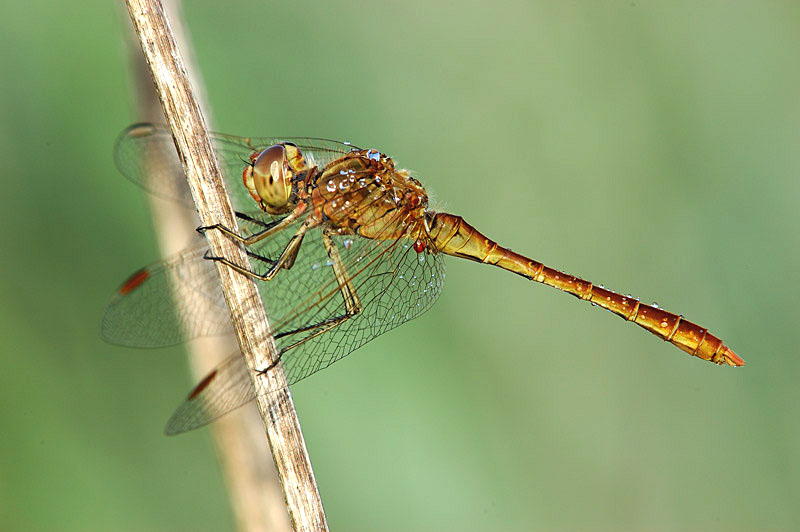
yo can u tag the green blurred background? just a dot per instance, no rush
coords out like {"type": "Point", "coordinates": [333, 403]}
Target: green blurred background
{"type": "Point", "coordinates": [650, 146]}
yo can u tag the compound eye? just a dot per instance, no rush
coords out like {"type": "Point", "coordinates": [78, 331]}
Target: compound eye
{"type": "Point", "coordinates": [272, 178]}
{"type": "Point", "coordinates": [270, 163]}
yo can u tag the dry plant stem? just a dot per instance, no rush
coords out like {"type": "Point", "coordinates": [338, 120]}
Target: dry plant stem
{"type": "Point", "coordinates": [253, 485]}
{"type": "Point", "coordinates": [241, 294]}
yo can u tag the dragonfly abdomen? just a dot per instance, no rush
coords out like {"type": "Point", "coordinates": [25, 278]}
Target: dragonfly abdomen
{"type": "Point", "coordinates": [677, 330]}
{"type": "Point", "coordinates": [453, 236]}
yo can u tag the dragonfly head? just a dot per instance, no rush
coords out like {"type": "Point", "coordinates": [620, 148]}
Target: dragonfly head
{"type": "Point", "coordinates": [269, 179]}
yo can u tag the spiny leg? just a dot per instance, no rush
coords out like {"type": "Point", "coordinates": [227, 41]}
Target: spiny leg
{"type": "Point", "coordinates": [351, 303]}
{"type": "Point", "coordinates": [247, 218]}
{"type": "Point", "coordinates": [286, 258]}
{"type": "Point", "coordinates": [344, 280]}
{"type": "Point", "coordinates": [269, 228]}
{"type": "Point", "coordinates": [270, 262]}
{"type": "Point", "coordinates": [261, 258]}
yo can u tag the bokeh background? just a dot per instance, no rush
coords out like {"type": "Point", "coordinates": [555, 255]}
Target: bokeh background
{"type": "Point", "coordinates": [649, 146]}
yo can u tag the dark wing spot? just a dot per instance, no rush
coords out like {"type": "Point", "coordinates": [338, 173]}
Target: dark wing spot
{"type": "Point", "coordinates": [202, 385]}
{"type": "Point", "coordinates": [133, 282]}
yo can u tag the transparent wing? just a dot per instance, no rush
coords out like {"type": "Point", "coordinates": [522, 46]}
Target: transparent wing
{"type": "Point", "coordinates": [393, 282]}
{"type": "Point", "coordinates": [179, 298]}
{"type": "Point", "coordinates": [395, 285]}
{"type": "Point", "coordinates": [167, 302]}
{"type": "Point", "coordinates": [224, 389]}
{"type": "Point", "coordinates": [145, 154]}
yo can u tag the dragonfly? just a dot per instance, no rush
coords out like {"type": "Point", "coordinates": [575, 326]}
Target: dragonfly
{"type": "Point", "coordinates": [344, 247]}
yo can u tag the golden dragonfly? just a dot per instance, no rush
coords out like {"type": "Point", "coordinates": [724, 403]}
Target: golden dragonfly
{"type": "Point", "coordinates": [345, 247]}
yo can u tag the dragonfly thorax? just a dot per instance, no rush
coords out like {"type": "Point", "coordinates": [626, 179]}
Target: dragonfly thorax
{"type": "Point", "coordinates": [362, 192]}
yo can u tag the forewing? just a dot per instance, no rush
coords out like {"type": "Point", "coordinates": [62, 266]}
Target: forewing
{"type": "Point", "coordinates": [167, 303]}
{"type": "Point", "coordinates": [178, 298]}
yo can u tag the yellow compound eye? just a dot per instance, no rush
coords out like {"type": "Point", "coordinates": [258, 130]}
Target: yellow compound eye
{"type": "Point", "coordinates": [272, 179]}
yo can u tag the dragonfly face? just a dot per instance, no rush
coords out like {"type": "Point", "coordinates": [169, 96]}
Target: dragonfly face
{"type": "Point", "coordinates": [270, 175]}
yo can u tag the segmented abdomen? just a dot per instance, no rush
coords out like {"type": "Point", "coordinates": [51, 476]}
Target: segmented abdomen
{"type": "Point", "coordinates": [452, 235]}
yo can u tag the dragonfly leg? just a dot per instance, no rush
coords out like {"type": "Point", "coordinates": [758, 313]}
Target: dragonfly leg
{"type": "Point", "coordinates": [247, 218]}
{"type": "Point", "coordinates": [351, 303]}
{"type": "Point", "coordinates": [269, 228]}
{"type": "Point", "coordinates": [287, 264]}
{"type": "Point", "coordinates": [261, 258]}
{"type": "Point", "coordinates": [288, 254]}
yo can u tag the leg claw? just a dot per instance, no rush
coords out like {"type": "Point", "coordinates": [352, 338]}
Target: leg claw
{"type": "Point", "coordinates": [209, 256]}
